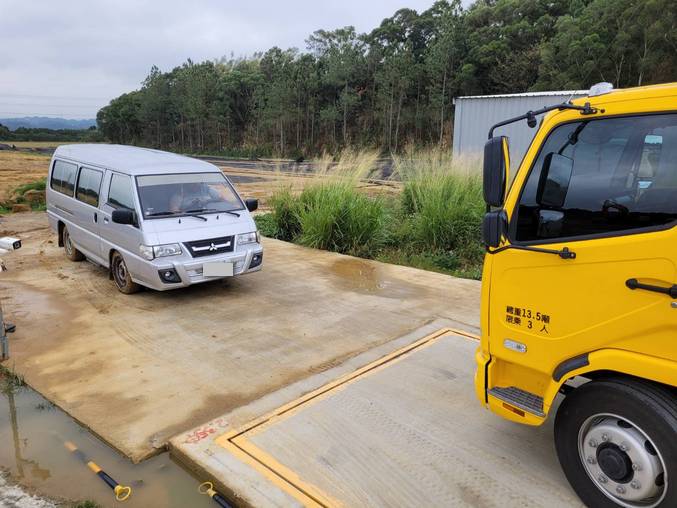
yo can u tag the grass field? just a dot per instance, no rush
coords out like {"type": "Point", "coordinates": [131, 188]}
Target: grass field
{"type": "Point", "coordinates": [20, 168]}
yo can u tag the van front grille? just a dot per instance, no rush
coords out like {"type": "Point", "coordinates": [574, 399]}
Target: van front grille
{"type": "Point", "coordinates": [210, 246]}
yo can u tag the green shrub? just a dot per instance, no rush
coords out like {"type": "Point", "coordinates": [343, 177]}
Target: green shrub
{"type": "Point", "coordinates": [285, 207]}
{"type": "Point", "coordinates": [336, 216]}
{"type": "Point", "coordinates": [442, 201]}
{"type": "Point", "coordinates": [266, 224]}
{"type": "Point", "coordinates": [38, 185]}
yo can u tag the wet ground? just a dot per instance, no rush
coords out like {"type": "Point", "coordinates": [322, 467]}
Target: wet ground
{"type": "Point", "coordinates": [140, 369]}
{"type": "Point", "coordinates": [32, 432]}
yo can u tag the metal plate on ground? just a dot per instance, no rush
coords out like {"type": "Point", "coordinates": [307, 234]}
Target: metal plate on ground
{"type": "Point", "coordinates": [405, 431]}
{"type": "Point", "coordinates": [217, 269]}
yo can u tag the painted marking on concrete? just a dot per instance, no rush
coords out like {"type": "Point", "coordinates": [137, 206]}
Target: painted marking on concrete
{"type": "Point", "coordinates": [236, 441]}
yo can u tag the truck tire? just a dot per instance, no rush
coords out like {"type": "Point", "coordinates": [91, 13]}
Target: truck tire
{"type": "Point", "coordinates": [121, 277]}
{"type": "Point", "coordinates": [71, 252]}
{"type": "Point", "coordinates": [616, 440]}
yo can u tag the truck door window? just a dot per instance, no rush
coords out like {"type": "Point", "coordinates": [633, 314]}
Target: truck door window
{"type": "Point", "coordinates": [624, 177]}
{"type": "Point", "coordinates": [120, 194]}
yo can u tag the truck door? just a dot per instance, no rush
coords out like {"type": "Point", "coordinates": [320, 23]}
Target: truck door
{"type": "Point", "coordinates": [618, 215]}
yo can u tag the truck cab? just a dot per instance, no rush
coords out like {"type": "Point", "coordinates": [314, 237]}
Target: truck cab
{"type": "Point", "coordinates": [579, 291]}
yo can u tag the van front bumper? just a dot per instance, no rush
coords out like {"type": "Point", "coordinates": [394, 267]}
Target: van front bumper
{"type": "Point", "coordinates": [189, 271]}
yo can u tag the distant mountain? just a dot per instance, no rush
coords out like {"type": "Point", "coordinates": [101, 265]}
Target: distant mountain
{"type": "Point", "coordinates": [41, 122]}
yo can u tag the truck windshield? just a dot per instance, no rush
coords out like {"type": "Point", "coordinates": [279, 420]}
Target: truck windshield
{"type": "Point", "coordinates": [186, 193]}
{"type": "Point", "coordinates": [624, 177]}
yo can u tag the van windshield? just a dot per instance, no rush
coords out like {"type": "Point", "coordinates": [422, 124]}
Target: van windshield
{"type": "Point", "coordinates": [185, 194]}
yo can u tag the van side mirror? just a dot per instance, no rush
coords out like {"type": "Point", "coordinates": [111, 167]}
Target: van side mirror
{"type": "Point", "coordinates": [124, 216]}
{"type": "Point", "coordinates": [495, 171]}
{"type": "Point", "coordinates": [493, 227]}
{"type": "Point", "coordinates": [251, 204]}
{"type": "Point", "coordinates": [553, 184]}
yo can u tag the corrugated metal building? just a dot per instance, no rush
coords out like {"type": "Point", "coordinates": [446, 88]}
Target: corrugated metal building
{"type": "Point", "coordinates": [476, 114]}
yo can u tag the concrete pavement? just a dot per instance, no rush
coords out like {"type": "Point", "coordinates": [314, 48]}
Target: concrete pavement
{"type": "Point", "coordinates": [403, 430]}
{"type": "Point", "coordinates": [139, 369]}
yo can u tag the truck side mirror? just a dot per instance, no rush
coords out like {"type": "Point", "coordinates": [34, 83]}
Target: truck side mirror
{"type": "Point", "coordinates": [553, 184]}
{"type": "Point", "coordinates": [493, 226]}
{"type": "Point", "coordinates": [251, 204]}
{"type": "Point", "coordinates": [495, 171]}
{"type": "Point", "coordinates": [124, 216]}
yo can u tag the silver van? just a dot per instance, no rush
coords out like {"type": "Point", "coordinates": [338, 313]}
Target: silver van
{"type": "Point", "coordinates": [152, 218]}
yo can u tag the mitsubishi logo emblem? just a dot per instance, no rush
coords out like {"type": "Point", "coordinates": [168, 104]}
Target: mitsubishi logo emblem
{"type": "Point", "coordinates": [212, 247]}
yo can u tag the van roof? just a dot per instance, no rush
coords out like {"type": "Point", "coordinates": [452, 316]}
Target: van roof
{"type": "Point", "coordinates": [133, 160]}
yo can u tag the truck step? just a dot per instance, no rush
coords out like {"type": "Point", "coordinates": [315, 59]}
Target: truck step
{"type": "Point", "coordinates": [519, 398]}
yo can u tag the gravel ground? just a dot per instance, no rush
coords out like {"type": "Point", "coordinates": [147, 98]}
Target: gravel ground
{"type": "Point", "coordinates": [12, 496]}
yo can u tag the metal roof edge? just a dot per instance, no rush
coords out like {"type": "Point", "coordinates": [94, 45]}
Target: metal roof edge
{"type": "Point", "coordinates": [525, 94]}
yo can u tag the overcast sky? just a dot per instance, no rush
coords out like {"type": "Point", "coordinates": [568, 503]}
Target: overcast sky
{"type": "Point", "coordinates": [70, 57]}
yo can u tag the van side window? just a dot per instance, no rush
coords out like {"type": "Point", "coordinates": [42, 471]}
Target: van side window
{"type": "Point", "coordinates": [89, 184]}
{"type": "Point", "coordinates": [63, 177]}
{"type": "Point", "coordinates": [609, 175]}
{"type": "Point", "coordinates": [121, 194]}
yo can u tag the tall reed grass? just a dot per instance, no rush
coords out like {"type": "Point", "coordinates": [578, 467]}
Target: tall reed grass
{"type": "Point", "coordinates": [442, 199]}
{"type": "Point", "coordinates": [433, 223]}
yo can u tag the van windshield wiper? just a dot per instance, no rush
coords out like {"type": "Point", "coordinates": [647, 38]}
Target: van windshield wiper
{"type": "Point", "coordinates": [173, 214]}
{"type": "Point", "coordinates": [161, 214]}
{"type": "Point", "coordinates": [212, 210]}
{"type": "Point", "coordinates": [208, 210]}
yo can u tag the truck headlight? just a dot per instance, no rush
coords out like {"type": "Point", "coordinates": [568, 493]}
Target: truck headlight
{"type": "Point", "coordinates": [159, 251]}
{"type": "Point", "coordinates": [245, 238]}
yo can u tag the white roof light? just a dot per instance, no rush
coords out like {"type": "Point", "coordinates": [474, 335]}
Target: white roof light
{"type": "Point", "coordinates": [600, 89]}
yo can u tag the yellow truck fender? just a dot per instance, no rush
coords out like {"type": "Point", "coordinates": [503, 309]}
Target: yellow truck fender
{"type": "Point", "coordinates": [619, 361]}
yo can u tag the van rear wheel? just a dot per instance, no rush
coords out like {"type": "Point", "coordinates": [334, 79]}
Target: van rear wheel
{"type": "Point", "coordinates": [123, 280]}
{"type": "Point", "coordinates": [71, 252]}
{"type": "Point", "coordinates": [615, 440]}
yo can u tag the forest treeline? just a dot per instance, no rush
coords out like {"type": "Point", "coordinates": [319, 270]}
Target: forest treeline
{"type": "Point", "coordinates": [393, 87]}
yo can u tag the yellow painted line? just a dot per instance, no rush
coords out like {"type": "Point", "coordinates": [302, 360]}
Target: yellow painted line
{"type": "Point", "coordinates": [238, 445]}
{"type": "Point", "coordinates": [292, 485]}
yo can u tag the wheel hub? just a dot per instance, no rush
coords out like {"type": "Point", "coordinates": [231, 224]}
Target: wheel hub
{"type": "Point", "coordinates": [614, 462]}
{"type": "Point", "coordinates": [67, 243]}
{"type": "Point", "coordinates": [622, 461]}
{"type": "Point", "coordinates": [120, 272]}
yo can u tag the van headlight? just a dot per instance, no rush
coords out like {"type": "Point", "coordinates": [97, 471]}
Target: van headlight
{"type": "Point", "coordinates": [159, 251]}
{"type": "Point", "coordinates": [245, 238]}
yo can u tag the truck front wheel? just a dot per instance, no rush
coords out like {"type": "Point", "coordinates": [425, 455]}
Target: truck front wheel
{"type": "Point", "coordinates": [616, 440]}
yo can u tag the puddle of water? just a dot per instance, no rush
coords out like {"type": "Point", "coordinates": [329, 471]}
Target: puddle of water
{"type": "Point", "coordinates": [245, 179]}
{"type": "Point", "coordinates": [358, 274]}
{"type": "Point", "coordinates": [32, 431]}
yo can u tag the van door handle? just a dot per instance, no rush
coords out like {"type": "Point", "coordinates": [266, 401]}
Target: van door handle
{"type": "Point", "coordinates": [96, 219]}
{"type": "Point", "coordinates": [671, 291]}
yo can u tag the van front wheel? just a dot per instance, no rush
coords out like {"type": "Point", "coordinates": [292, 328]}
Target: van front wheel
{"type": "Point", "coordinates": [71, 252]}
{"type": "Point", "coordinates": [615, 440]}
{"type": "Point", "coordinates": [123, 280]}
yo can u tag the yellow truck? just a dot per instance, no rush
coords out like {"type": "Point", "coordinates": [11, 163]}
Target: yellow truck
{"type": "Point", "coordinates": [579, 291]}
